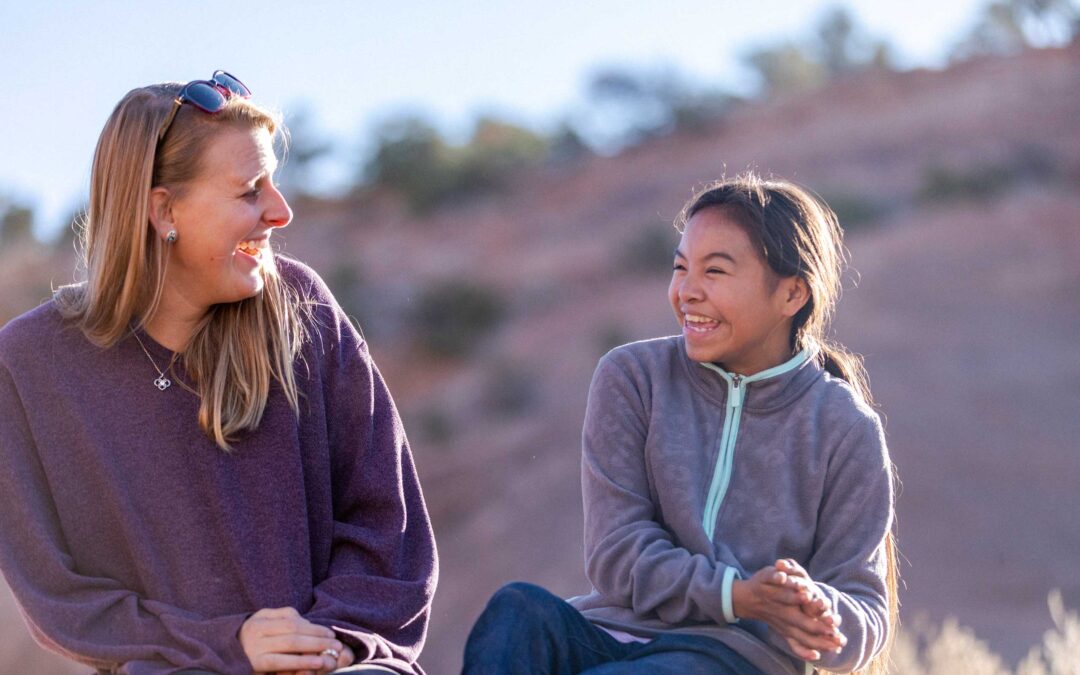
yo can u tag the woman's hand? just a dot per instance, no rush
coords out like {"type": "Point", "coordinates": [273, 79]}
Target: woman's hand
{"type": "Point", "coordinates": [280, 640]}
{"type": "Point", "coordinates": [793, 606]}
{"type": "Point", "coordinates": [346, 658]}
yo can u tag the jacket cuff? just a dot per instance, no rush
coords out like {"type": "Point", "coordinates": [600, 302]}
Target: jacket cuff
{"type": "Point", "coordinates": [730, 574]}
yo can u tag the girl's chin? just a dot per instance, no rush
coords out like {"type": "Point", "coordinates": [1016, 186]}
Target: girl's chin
{"type": "Point", "coordinates": [703, 353]}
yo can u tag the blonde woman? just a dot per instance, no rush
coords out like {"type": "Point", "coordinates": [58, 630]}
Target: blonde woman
{"type": "Point", "coordinates": [201, 469]}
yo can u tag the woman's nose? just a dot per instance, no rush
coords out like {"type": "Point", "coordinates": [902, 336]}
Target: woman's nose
{"type": "Point", "coordinates": [278, 213]}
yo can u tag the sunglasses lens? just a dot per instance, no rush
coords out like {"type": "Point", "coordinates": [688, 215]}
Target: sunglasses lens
{"type": "Point", "coordinates": [232, 84]}
{"type": "Point", "coordinates": [205, 96]}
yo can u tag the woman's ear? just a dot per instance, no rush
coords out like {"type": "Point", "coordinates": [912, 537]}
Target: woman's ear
{"type": "Point", "coordinates": [793, 294]}
{"type": "Point", "coordinates": [159, 208]}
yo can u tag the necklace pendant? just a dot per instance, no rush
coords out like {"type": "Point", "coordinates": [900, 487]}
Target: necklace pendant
{"type": "Point", "coordinates": [162, 383]}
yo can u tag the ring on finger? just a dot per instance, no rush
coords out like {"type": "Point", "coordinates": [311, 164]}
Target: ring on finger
{"type": "Point", "coordinates": [331, 652]}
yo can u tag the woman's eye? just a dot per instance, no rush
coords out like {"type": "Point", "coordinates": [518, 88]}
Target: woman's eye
{"type": "Point", "coordinates": [713, 270]}
{"type": "Point", "coordinates": [679, 266]}
{"type": "Point", "coordinates": [252, 195]}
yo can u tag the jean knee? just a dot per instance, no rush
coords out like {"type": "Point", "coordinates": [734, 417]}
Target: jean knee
{"type": "Point", "coordinates": [523, 601]}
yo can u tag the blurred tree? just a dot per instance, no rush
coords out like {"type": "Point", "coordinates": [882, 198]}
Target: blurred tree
{"type": "Point", "coordinates": [836, 34]}
{"type": "Point", "coordinates": [839, 47]}
{"type": "Point", "coordinates": [566, 144]}
{"type": "Point", "coordinates": [410, 158]}
{"type": "Point", "coordinates": [845, 48]}
{"type": "Point", "coordinates": [497, 149]}
{"type": "Point", "coordinates": [626, 107]}
{"type": "Point", "coordinates": [786, 68]}
{"type": "Point", "coordinates": [16, 222]}
{"type": "Point", "coordinates": [73, 224]}
{"type": "Point", "coordinates": [307, 146]}
{"type": "Point", "coordinates": [1009, 26]}
{"type": "Point", "coordinates": [451, 317]}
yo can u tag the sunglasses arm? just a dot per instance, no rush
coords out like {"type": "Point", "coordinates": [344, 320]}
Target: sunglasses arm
{"type": "Point", "coordinates": [177, 102]}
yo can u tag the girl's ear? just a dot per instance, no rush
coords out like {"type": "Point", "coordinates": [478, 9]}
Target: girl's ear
{"type": "Point", "coordinates": [159, 208]}
{"type": "Point", "coordinates": [793, 294]}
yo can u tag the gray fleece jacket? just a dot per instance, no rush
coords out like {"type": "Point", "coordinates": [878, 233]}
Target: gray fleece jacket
{"type": "Point", "coordinates": [693, 477]}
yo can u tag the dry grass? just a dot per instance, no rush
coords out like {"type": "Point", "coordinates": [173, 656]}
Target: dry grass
{"type": "Point", "coordinates": [954, 650]}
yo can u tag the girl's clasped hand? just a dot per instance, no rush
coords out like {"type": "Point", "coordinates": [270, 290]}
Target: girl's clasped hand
{"type": "Point", "coordinates": [785, 597]}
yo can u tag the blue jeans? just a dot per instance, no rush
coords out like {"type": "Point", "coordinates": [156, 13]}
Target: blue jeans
{"type": "Point", "coordinates": [526, 629]}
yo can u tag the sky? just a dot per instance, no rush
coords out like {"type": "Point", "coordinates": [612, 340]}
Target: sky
{"type": "Point", "coordinates": [353, 63]}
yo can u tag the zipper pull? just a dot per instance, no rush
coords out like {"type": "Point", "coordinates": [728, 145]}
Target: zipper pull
{"type": "Point", "coordinates": [736, 391]}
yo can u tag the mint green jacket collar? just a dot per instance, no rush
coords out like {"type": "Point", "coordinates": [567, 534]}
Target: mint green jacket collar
{"type": "Point", "coordinates": [765, 391]}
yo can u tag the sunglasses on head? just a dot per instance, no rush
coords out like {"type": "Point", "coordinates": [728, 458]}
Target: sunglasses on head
{"type": "Point", "coordinates": [209, 96]}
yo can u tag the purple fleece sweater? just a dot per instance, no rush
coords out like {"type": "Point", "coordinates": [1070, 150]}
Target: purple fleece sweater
{"type": "Point", "coordinates": [133, 544]}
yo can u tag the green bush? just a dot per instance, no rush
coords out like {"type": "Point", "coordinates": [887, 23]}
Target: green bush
{"type": "Point", "coordinates": [451, 318]}
{"type": "Point", "coordinates": [510, 390]}
{"type": "Point", "coordinates": [854, 211]}
{"type": "Point", "coordinates": [434, 426]}
{"type": "Point", "coordinates": [413, 160]}
{"type": "Point", "coordinates": [16, 222]}
{"type": "Point", "coordinates": [946, 184]}
{"type": "Point", "coordinates": [611, 335]}
{"type": "Point", "coordinates": [649, 250]}
{"type": "Point", "coordinates": [346, 282]}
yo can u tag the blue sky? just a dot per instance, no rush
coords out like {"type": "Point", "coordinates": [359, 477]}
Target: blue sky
{"type": "Point", "coordinates": [353, 63]}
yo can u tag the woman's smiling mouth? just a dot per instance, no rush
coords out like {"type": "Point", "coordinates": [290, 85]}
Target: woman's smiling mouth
{"type": "Point", "coordinates": [250, 247]}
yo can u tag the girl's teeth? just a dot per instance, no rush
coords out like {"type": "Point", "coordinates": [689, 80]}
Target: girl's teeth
{"type": "Point", "coordinates": [700, 324]}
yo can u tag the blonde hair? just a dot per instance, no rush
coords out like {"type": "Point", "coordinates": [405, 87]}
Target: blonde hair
{"type": "Point", "coordinates": [799, 235]}
{"type": "Point", "coordinates": [239, 348]}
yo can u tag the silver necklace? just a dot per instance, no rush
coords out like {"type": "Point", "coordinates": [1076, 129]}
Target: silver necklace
{"type": "Point", "coordinates": [161, 382]}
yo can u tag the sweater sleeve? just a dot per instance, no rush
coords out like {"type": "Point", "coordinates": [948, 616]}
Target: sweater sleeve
{"type": "Point", "coordinates": [850, 560]}
{"type": "Point", "coordinates": [629, 556]}
{"type": "Point", "coordinates": [383, 566]}
{"type": "Point", "coordinates": [92, 620]}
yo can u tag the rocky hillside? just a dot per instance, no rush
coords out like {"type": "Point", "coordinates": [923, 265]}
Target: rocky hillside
{"type": "Point", "coordinates": [959, 192]}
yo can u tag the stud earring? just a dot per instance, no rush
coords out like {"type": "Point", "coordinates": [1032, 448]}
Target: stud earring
{"type": "Point", "coordinates": [171, 237]}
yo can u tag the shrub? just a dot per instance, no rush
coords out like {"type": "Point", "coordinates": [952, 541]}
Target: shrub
{"type": "Point", "coordinates": [450, 318]}
{"type": "Point", "coordinates": [649, 250]}
{"type": "Point", "coordinates": [611, 335]}
{"type": "Point", "coordinates": [954, 649]}
{"type": "Point", "coordinates": [510, 390]}
{"type": "Point", "coordinates": [945, 184]}
{"type": "Point", "coordinates": [346, 282]}
{"type": "Point", "coordinates": [434, 425]}
{"type": "Point", "coordinates": [853, 211]}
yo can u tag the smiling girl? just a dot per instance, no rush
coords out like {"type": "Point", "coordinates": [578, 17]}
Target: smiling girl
{"type": "Point", "coordinates": [737, 489]}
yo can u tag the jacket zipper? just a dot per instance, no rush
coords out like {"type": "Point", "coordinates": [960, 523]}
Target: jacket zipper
{"type": "Point", "coordinates": [725, 459]}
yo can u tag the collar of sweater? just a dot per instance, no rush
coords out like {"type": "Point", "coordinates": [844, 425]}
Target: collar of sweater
{"type": "Point", "coordinates": [766, 391]}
